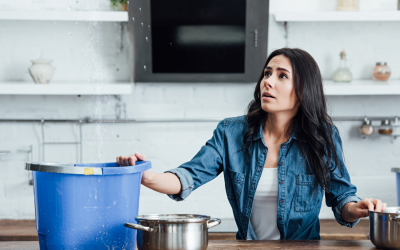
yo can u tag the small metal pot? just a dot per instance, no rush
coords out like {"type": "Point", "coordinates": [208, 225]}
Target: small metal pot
{"type": "Point", "coordinates": [384, 228]}
{"type": "Point", "coordinates": [173, 231]}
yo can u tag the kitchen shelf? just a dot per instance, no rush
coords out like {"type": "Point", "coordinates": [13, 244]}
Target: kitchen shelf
{"type": "Point", "coordinates": [65, 88]}
{"type": "Point", "coordinates": [392, 136]}
{"type": "Point", "coordinates": [361, 87]}
{"type": "Point", "coordinates": [335, 16]}
{"type": "Point", "coordinates": [103, 16]}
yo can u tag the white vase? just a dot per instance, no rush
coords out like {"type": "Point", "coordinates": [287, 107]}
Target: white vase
{"type": "Point", "coordinates": [41, 70]}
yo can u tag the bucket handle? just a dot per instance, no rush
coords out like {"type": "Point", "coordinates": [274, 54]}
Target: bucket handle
{"type": "Point", "coordinates": [213, 222]}
{"type": "Point", "coordinates": [139, 227]}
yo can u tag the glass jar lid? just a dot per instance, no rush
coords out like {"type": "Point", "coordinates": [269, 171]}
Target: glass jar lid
{"type": "Point", "coordinates": [366, 122]}
{"type": "Point", "coordinates": [385, 122]}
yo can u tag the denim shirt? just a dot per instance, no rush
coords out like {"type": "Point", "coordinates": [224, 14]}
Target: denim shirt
{"type": "Point", "coordinates": [299, 198]}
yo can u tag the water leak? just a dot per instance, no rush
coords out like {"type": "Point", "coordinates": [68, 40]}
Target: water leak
{"type": "Point", "coordinates": [99, 76]}
{"type": "Point", "coordinates": [140, 9]}
{"type": "Point", "coordinates": [147, 39]}
{"type": "Point", "coordinates": [142, 24]}
{"type": "Point", "coordinates": [133, 19]}
{"type": "Point", "coordinates": [144, 67]}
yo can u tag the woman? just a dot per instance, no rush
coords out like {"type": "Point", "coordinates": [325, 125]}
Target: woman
{"type": "Point", "coordinates": [278, 160]}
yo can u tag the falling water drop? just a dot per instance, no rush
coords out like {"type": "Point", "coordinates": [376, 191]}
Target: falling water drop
{"type": "Point", "coordinates": [133, 19]}
{"type": "Point", "coordinates": [140, 9]}
{"type": "Point", "coordinates": [69, 8]}
{"type": "Point", "coordinates": [142, 24]}
{"type": "Point", "coordinates": [127, 2]}
{"type": "Point", "coordinates": [170, 44]}
{"type": "Point", "coordinates": [148, 26]}
{"type": "Point", "coordinates": [144, 67]}
{"type": "Point", "coordinates": [147, 39]}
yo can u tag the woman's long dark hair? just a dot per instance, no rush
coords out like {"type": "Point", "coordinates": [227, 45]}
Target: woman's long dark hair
{"type": "Point", "coordinates": [312, 121]}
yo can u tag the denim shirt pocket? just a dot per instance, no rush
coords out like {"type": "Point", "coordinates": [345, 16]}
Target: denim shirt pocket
{"type": "Point", "coordinates": [307, 193]}
{"type": "Point", "coordinates": [236, 181]}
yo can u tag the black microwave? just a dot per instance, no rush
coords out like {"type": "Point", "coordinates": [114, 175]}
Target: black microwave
{"type": "Point", "coordinates": [198, 40]}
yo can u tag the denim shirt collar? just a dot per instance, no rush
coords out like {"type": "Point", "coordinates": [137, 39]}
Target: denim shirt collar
{"type": "Point", "coordinates": [293, 135]}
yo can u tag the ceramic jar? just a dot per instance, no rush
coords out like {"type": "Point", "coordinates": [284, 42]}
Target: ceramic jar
{"type": "Point", "coordinates": [381, 72]}
{"type": "Point", "coordinates": [347, 5]}
{"type": "Point", "coordinates": [41, 70]}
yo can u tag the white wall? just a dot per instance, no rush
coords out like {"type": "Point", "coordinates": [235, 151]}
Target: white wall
{"type": "Point", "coordinates": [99, 52]}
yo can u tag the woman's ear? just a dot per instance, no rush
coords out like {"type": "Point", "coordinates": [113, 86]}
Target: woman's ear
{"type": "Point", "coordinates": [297, 104]}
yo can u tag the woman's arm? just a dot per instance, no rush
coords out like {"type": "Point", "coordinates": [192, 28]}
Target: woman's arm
{"type": "Point", "coordinates": [346, 206]}
{"type": "Point", "coordinates": [353, 211]}
{"type": "Point", "coordinates": [166, 183]}
{"type": "Point", "coordinates": [179, 182]}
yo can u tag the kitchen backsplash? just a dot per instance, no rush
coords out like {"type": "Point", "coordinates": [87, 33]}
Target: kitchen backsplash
{"type": "Point", "coordinates": [168, 145]}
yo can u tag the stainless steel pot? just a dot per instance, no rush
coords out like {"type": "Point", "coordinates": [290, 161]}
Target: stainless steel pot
{"type": "Point", "coordinates": [173, 231]}
{"type": "Point", "coordinates": [384, 228]}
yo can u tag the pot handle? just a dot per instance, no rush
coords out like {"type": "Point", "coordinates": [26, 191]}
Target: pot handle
{"type": "Point", "coordinates": [213, 222]}
{"type": "Point", "coordinates": [395, 218]}
{"type": "Point", "coordinates": [139, 227]}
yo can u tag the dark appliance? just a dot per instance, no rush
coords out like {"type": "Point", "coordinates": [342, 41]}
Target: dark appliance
{"type": "Point", "coordinates": [198, 40]}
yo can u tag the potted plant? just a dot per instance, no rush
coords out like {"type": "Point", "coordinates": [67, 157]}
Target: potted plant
{"type": "Point", "coordinates": [122, 3]}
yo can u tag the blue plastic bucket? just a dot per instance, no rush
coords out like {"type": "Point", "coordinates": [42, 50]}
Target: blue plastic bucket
{"type": "Point", "coordinates": [85, 206]}
{"type": "Point", "coordinates": [398, 188]}
{"type": "Point", "coordinates": [397, 171]}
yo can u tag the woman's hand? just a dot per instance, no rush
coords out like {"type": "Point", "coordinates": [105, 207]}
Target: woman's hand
{"type": "Point", "coordinates": [353, 211]}
{"type": "Point", "coordinates": [166, 183]}
{"type": "Point", "coordinates": [131, 160]}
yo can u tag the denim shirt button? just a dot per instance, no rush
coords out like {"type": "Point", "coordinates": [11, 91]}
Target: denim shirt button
{"type": "Point", "coordinates": [283, 146]}
{"type": "Point", "coordinates": [279, 219]}
{"type": "Point", "coordinates": [280, 163]}
{"type": "Point", "coordinates": [281, 182]}
{"type": "Point", "coordinates": [259, 169]}
{"type": "Point", "coordinates": [280, 201]}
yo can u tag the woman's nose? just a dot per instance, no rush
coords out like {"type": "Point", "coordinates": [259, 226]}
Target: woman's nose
{"type": "Point", "coordinates": [269, 83]}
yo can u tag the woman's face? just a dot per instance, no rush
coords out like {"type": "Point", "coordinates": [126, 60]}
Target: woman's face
{"type": "Point", "coordinates": [277, 89]}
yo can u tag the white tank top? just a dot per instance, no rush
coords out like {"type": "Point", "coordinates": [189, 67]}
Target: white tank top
{"type": "Point", "coordinates": [265, 206]}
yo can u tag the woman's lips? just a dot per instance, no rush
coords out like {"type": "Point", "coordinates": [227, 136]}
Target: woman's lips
{"type": "Point", "coordinates": [267, 96]}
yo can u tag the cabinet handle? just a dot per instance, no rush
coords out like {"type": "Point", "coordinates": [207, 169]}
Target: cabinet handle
{"type": "Point", "coordinates": [255, 38]}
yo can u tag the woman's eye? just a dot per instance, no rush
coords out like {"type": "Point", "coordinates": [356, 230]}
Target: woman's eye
{"type": "Point", "coordinates": [267, 73]}
{"type": "Point", "coordinates": [284, 76]}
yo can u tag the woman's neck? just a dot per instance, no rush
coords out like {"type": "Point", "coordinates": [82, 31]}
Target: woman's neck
{"type": "Point", "coordinates": [276, 127]}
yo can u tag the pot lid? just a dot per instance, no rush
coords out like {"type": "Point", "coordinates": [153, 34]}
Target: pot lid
{"type": "Point", "coordinates": [173, 218]}
{"type": "Point", "coordinates": [110, 168]}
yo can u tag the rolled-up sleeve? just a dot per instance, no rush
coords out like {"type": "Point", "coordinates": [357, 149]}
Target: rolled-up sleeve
{"type": "Point", "coordinates": [205, 165]}
{"type": "Point", "coordinates": [342, 191]}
